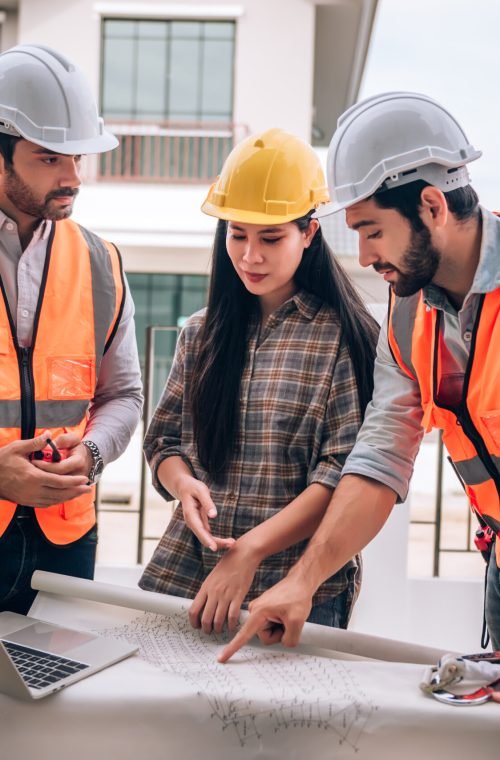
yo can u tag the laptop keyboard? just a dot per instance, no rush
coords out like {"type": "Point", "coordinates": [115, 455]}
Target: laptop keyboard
{"type": "Point", "coordinates": [39, 669]}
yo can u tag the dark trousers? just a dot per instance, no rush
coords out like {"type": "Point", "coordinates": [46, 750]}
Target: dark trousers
{"type": "Point", "coordinates": [492, 601]}
{"type": "Point", "coordinates": [24, 549]}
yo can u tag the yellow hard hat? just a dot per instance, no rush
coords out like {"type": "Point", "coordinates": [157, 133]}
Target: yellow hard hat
{"type": "Point", "coordinates": [269, 178]}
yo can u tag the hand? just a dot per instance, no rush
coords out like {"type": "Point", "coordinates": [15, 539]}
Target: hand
{"type": "Point", "coordinates": [78, 460]}
{"type": "Point", "coordinates": [24, 483]}
{"type": "Point", "coordinates": [197, 508]}
{"type": "Point", "coordinates": [223, 591]}
{"type": "Point", "coordinates": [278, 615]}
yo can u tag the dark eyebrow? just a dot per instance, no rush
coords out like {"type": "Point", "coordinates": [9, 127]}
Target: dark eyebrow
{"type": "Point", "coordinates": [45, 151]}
{"type": "Point", "coordinates": [235, 226]}
{"type": "Point", "coordinates": [363, 223]}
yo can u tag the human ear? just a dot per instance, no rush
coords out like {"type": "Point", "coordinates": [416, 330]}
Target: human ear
{"type": "Point", "coordinates": [310, 232]}
{"type": "Point", "coordinates": [434, 209]}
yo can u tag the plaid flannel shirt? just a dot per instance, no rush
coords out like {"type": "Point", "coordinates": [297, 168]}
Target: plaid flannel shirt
{"type": "Point", "coordinates": [299, 416]}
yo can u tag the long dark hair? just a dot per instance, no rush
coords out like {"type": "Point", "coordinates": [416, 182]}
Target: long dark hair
{"type": "Point", "coordinates": [216, 378]}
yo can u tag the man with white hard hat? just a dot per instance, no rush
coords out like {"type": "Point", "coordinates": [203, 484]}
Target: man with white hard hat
{"type": "Point", "coordinates": [397, 165]}
{"type": "Point", "coordinates": [70, 388]}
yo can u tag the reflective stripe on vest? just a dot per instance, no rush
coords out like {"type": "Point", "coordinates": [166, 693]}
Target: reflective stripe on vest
{"type": "Point", "coordinates": [51, 385]}
{"type": "Point", "coordinates": [471, 433]}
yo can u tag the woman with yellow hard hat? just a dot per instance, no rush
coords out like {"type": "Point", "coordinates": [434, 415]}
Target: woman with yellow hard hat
{"type": "Point", "coordinates": [265, 397]}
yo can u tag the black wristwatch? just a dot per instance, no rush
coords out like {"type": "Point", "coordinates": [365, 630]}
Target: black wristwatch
{"type": "Point", "coordinates": [97, 463]}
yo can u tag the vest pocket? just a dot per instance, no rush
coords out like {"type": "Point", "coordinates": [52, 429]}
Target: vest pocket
{"type": "Point", "coordinates": [71, 377]}
{"type": "Point", "coordinates": [491, 421]}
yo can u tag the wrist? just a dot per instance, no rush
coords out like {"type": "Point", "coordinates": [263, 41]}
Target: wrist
{"type": "Point", "coordinates": [305, 579]}
{"type": "Point", "coordinates": [182, 484]}
{"type": "Point", "coordinates": [251, 550]}
{"type": "Point", "coordinates": [94, 460]}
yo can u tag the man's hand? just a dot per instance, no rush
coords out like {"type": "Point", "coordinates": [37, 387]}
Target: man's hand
{"type": "Point", "coordinates": [25, 482]}
{"type": "Point", "coordinates": [278, 615]}
{"type": "Point", "coordinates": [78, 459]}
{"type": "Point", "coordinates": [197, 508]}
{"type": "Point", "coordinates": [222, 593]}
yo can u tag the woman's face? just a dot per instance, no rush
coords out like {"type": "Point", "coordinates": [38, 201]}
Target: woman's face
{"type": "Point", "coordinates": [266, 257]}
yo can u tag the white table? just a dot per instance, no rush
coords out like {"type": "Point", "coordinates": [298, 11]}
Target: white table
{"type": "Point", "coordinates": [267, 703]}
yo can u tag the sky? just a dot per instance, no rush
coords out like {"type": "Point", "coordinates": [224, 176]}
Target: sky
{"type": "Point", "coordinates": [449, 50]}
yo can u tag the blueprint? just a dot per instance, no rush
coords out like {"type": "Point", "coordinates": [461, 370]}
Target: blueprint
{"type": "Point", "coordinates": [265, 691]}
{"type": "Point", "coordinates": [338, 696]}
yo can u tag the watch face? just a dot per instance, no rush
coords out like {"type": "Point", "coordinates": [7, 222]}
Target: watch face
{"type": "Point", "coordinates": [96, 472]}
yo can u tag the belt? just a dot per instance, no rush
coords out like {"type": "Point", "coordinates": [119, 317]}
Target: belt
{"type": "Point", "coordinates": [23, 512]}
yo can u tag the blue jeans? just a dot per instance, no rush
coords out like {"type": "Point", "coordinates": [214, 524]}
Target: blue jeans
{"type": "Point", "coordinates": [332, 612]}
{"type": "Point", "coordinates": [24, 549]}
{"type": "Point", "coordinates": [492, 602]}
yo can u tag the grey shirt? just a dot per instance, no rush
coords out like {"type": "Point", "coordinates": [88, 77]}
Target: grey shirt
{"type": "Point", "coordinates": [390, 436]}
{"type": "Point", "coordinates": [116, 407]}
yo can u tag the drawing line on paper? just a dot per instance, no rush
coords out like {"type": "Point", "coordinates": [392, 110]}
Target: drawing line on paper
{"type": "Point", "coordinates": [264, 692]}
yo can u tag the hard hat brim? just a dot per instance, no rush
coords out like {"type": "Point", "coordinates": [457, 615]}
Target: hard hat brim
{"type": "Point", "coordinates": [101, 144]}
{"type": "Point", "coordinates": [326, 209]}
{"type": "Point", "coordinates": [249, 217]}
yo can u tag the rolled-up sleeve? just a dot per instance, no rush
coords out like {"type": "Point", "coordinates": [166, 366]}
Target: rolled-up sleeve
{"type": "Point", "coordinates": [390, 436]}
{"type": "Point", "coordinates": [341, 424]}
{"type": "Point", "coordinates": [164, 435]}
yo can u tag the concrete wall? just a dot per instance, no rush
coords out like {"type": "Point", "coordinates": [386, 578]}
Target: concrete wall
{"type": "Point", "coordinates": [274, 66]}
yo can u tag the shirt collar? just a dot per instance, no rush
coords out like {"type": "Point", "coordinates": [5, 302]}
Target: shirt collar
{"type": "Point", "coordinates": [41, 232]}
{"type": "Point", "coordinates": [487, 276]}
{"type": "Point", "coordinates": [306, 303]}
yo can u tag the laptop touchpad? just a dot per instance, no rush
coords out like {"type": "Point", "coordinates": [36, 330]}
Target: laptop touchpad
{"type": "Point", "coordinates": [49, 638]}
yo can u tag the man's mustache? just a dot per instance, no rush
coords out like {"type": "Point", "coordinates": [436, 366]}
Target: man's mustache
{"type": "Point", "coordinates": [63, 192]}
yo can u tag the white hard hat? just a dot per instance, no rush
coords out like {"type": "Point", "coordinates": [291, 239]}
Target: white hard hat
{"type": "Point", "coordinates": [47, 100]}
{"type": "Point", "coordinates": [395, 138]}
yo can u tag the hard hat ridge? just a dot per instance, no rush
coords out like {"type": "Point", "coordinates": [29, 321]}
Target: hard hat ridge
{"type": "Point", "coordinates": [392, 139]}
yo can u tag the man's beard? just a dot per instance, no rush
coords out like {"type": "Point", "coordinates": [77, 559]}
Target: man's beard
{"type": "Point", "coordinates": [419, 264]}
{"type": "Point", "coordinates": [22, 197]}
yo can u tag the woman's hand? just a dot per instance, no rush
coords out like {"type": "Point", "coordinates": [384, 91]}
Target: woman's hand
{"type": "Point", "coordinates": [223, 591]}
{"type": "Point", "coordinates": [197, 508]}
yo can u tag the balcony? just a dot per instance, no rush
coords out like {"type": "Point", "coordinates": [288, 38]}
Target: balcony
{"type": "Point", "coordinates": [170, 153]}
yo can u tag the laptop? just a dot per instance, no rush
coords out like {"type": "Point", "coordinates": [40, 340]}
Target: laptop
{"type": "Point", "coordinates": [38, 658]}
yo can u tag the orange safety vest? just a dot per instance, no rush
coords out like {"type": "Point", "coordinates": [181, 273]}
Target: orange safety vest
{"type": "Point", "coordinates": [49, 386]}
{"type": "Point", "coordinates": [471, 432]}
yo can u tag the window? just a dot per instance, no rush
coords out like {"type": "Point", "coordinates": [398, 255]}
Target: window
{"type": "Point", "coordinates": [160, 70]}
{"type": "Point", "coordinates": [164, 300]}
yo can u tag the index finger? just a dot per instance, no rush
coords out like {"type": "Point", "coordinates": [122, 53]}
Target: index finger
{"type": "Point", "coordinates": [249, 629]}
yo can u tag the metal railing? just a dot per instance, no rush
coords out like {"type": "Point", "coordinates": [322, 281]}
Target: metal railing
{"type": "Point", "coordinates": [151, 332]}
{"type": "Point", "coordinates": [438, 522]}
{"type": "Point", "coordinates": [180, 153]}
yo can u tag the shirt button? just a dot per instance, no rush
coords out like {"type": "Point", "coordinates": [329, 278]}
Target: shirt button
{"type": "Point", "coordinates": [10, 227]}
{"type": "Point", "coordinates": [25, 312]}
{"type": "Point", "coordinates": [467, 336]}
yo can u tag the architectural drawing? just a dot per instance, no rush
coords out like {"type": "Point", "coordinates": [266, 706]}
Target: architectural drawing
{"type": "Point", "coordinates": [263, 691]}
